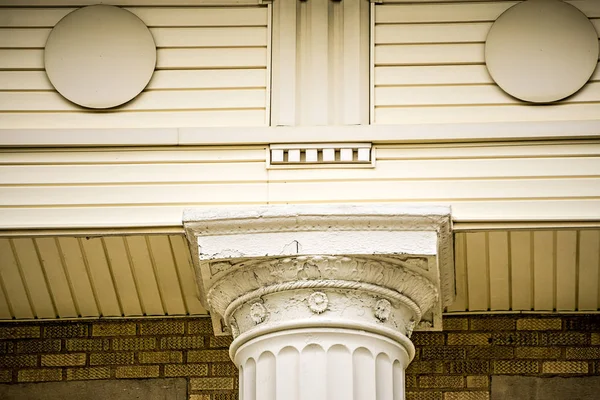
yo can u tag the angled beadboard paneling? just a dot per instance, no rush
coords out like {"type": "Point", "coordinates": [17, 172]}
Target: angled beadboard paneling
{"type": "Point", "coordinates": [212, 70]}
{"type": "Point", "coordinates": [545, 270]}
{"type": "Point", "coordinates": [80, 188]}
{"type": "Point", "coordinates": [115, 276]}
{"type": "Point", "coordinates": [429, 67]}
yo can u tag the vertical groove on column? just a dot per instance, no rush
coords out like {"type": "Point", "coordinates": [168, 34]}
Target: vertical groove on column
{"type": "Point", "coordinates": [249, 391]}
{"type": "Point", "coordinates": [339, 373]}
{"type": "Point", "coordinates": [241, 382]}
{"type": "Point", "coordinates": [398, 378]}
{"type": "Point", "coordinates": [385, 377]}
{"type": "Point", "coordinates": [313, 373]}
{"type": "Point", "coordinates": [364, 374]}
{"type": "Point", "coordinates": [266, 376]}
{"type": "Point", "coordinates": [287, 380]}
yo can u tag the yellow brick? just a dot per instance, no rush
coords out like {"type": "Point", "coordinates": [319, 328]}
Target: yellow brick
{"type": "Point", "coordinates": [539, 324]}
{"type": "Point", "coordinates": [224, 369]}
{"type": "Point", "coordinates": [199, 397]}
{"type": "Point", "coordinates": [147, 371]}
{"type": "Point", "coordinates": [134, 344]}
{"type": "Point", "coordinates": [63, 360]}
{"type": "Point", "coordinates": [583, 353]}
{"type": "Point", "coordinates": [87, 344]}
{"type": "Point", "coordinates": [39, 375]}
{"type": "Point", "coordinates": [19, 332]}
{"type": "Point", "coordinates": [565, 367]}
{"type": "Point", "coordinates": [492, 324]}
{"type": "Point", "coordinates": [537, 352]}
{"type": "Point", "coordinates": [84, 374]}
{"type": "Point", "coordinates": [114, 329]}
{"type": "Point", "coordinates": [38, 346]}
{"type": "Point", "coordinates": [5, 375]}
{"type": "Point", "coordinates": [162, 328]}
{"type": "Point", "coordinates": [441, 381]}
{"type": "Point", "coordinates": [10, 361]}
{"type": "Point", "coordinates": [455, 324]}
{"type": "Point", "coordinates": [220, 341]}
{"type": "Point", "coordinates": [423, 396]}
{"type": "Point", "coordinates": [469, 339]}
{"type": "Point", "coordinates": [211, 383]}
{"type": "Point", "coordinates": [160, 357]}
{"type": "Point", "coordinates": [66, 330]}
{"type": "Point", "coordinates": [182, 342]}
{"type": "Point", "coordinates": [515, 367]}
{"type": "Point", "coordinates": [201, 326]}
{"type": "Point", "coordinates": [186, 370]}
{"type": "Point", "coordinates": [208, 356]}
{"type": "Point", "coordinates": [595, 339]}
{"type": "Point", "coordinates": [466, 396]}
{"type": "Point", "coordinates": [111, 358]}
{"type": "Point", "coordinates": [478, 381]}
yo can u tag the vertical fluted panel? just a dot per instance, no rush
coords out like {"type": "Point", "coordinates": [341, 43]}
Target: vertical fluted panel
{"type": "Point", "coordinates": [313, 373]}
{"type": "Point", "coordinates": [288, 374]}
{"type": "Point", "coordinates": [266, 375]}
{"type": "Point", "coordinates": [339, 373]}
{"type": "Point", "coordinates": [385, 377]}
{"type": "Point", "coordinates": [364, 374]}
{"type": "Point", "coordinates": [398, 373]}
{"type": "Point", "coordinates": [249, 388]}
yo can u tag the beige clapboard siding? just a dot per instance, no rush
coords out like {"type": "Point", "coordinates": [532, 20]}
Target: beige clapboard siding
{"type": "Point", "coordinates": [553, 270]}
{"type": "Point", "coordinates": [212, 70]}
{"type": "Point", "coordinates": [152, 187]}
{"type": "Point", "coordinates": [429, 66]}
{"type": "Point", "coordinates": [120, 276]}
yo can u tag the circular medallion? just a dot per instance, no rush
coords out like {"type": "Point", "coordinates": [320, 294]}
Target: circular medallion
{"type": "Point", "coordinates": [318, 302]}
{"type": "Point", "coordinates": [258, 313]}
{"type": "Point", "coordinates": [100, 56]}
{"type": "Point", "coordinates": [542, 50]}
{"type": "Point", "coordinates": [383, 308]}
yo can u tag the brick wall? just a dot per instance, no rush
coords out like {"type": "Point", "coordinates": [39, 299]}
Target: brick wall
{"type": "Point", "coordinates": [452, 365]}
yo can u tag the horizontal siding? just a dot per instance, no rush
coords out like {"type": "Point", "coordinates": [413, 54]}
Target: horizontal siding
{"type": "Point", "coordinates": [429, 67]}
{"type": "Point", "coordinates": [212, 70]}
{"type": "Point", "coordinates": [117, 276]}
{"type": "Point", "coordinates": [550, 270]}
{"type": "Point", "coordinates": [152, 187]}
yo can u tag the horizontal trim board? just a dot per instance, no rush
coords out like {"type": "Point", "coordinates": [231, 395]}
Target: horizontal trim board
{"type": "Point", "coordinates": [238, 36]}
{"type": "Point", "coordinates": [234, 57]}
{"type": "Point", "coordinates": [419, 11]}
{"type": "Point", "coordinates": [161, 80]}
{"type": "Point", "coordinates": [171, 215]}
{"type": "Point", "coordinates": [248, 135]}
{"type": "Point", "coordinates": [47, 17]}
{"type": "Point", "coordinates": [65, 123]}
{"type": "Point", "coordinates": [155, 100]}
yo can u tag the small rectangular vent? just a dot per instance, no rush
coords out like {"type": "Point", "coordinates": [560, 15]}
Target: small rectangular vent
{"type": "Point", "coordinates": [322, 155]}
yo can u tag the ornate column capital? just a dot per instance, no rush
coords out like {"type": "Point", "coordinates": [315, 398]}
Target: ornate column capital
{"type": "Point", "coordinates": [382, 269]}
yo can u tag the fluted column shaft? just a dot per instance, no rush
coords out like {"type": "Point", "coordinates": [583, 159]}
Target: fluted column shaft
{"type": "Point", "coordinates": [321, 364]}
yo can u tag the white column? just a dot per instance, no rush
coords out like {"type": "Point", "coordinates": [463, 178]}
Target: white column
{"type": "Point", "coordinates": [322, 364]}
{"type": "Point", "coordinates": [321, 301]}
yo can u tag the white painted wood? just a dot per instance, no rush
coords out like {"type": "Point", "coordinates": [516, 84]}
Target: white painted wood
{"type": "Point", "coordinates": [57, 279]}
{"type": "Point", "coordinates": [521, 271]}
{"type": "Point", "coordinates": [477, 271]}
{"type": "Point", "coordinates": [144, 273]}
{"type": "Point", "coordinates": [566, 267]}
{"type": "Point", "coordinates": [4, 307]}
{"type": "Point", "coordinates": [544, 256]}
{"type": "Point", "coordinates": [186, 274]}
{"type": "Point", "coordinates": [101, 277]}
{"type": "Point", "coordinates": [429, 67]}
{"type": "Point", "coordinates": [200, 49]}
{"type": "Point", "coordinates": [34, 277]}
{"type": "Point", "coordinates": [12, 282]}
{"type": "Point", "coordinates": [77, 271]}
{"type": "Point", "coordinates": [499, 285]}
{"type": "Point", "coordinates": [166, 274]}
{"type": "Point", "coordinates": [589, 270]}
{"type": "Point", "coordinates": [461, 301]}
{"type": "Point", "coordinates": [121, 269]}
